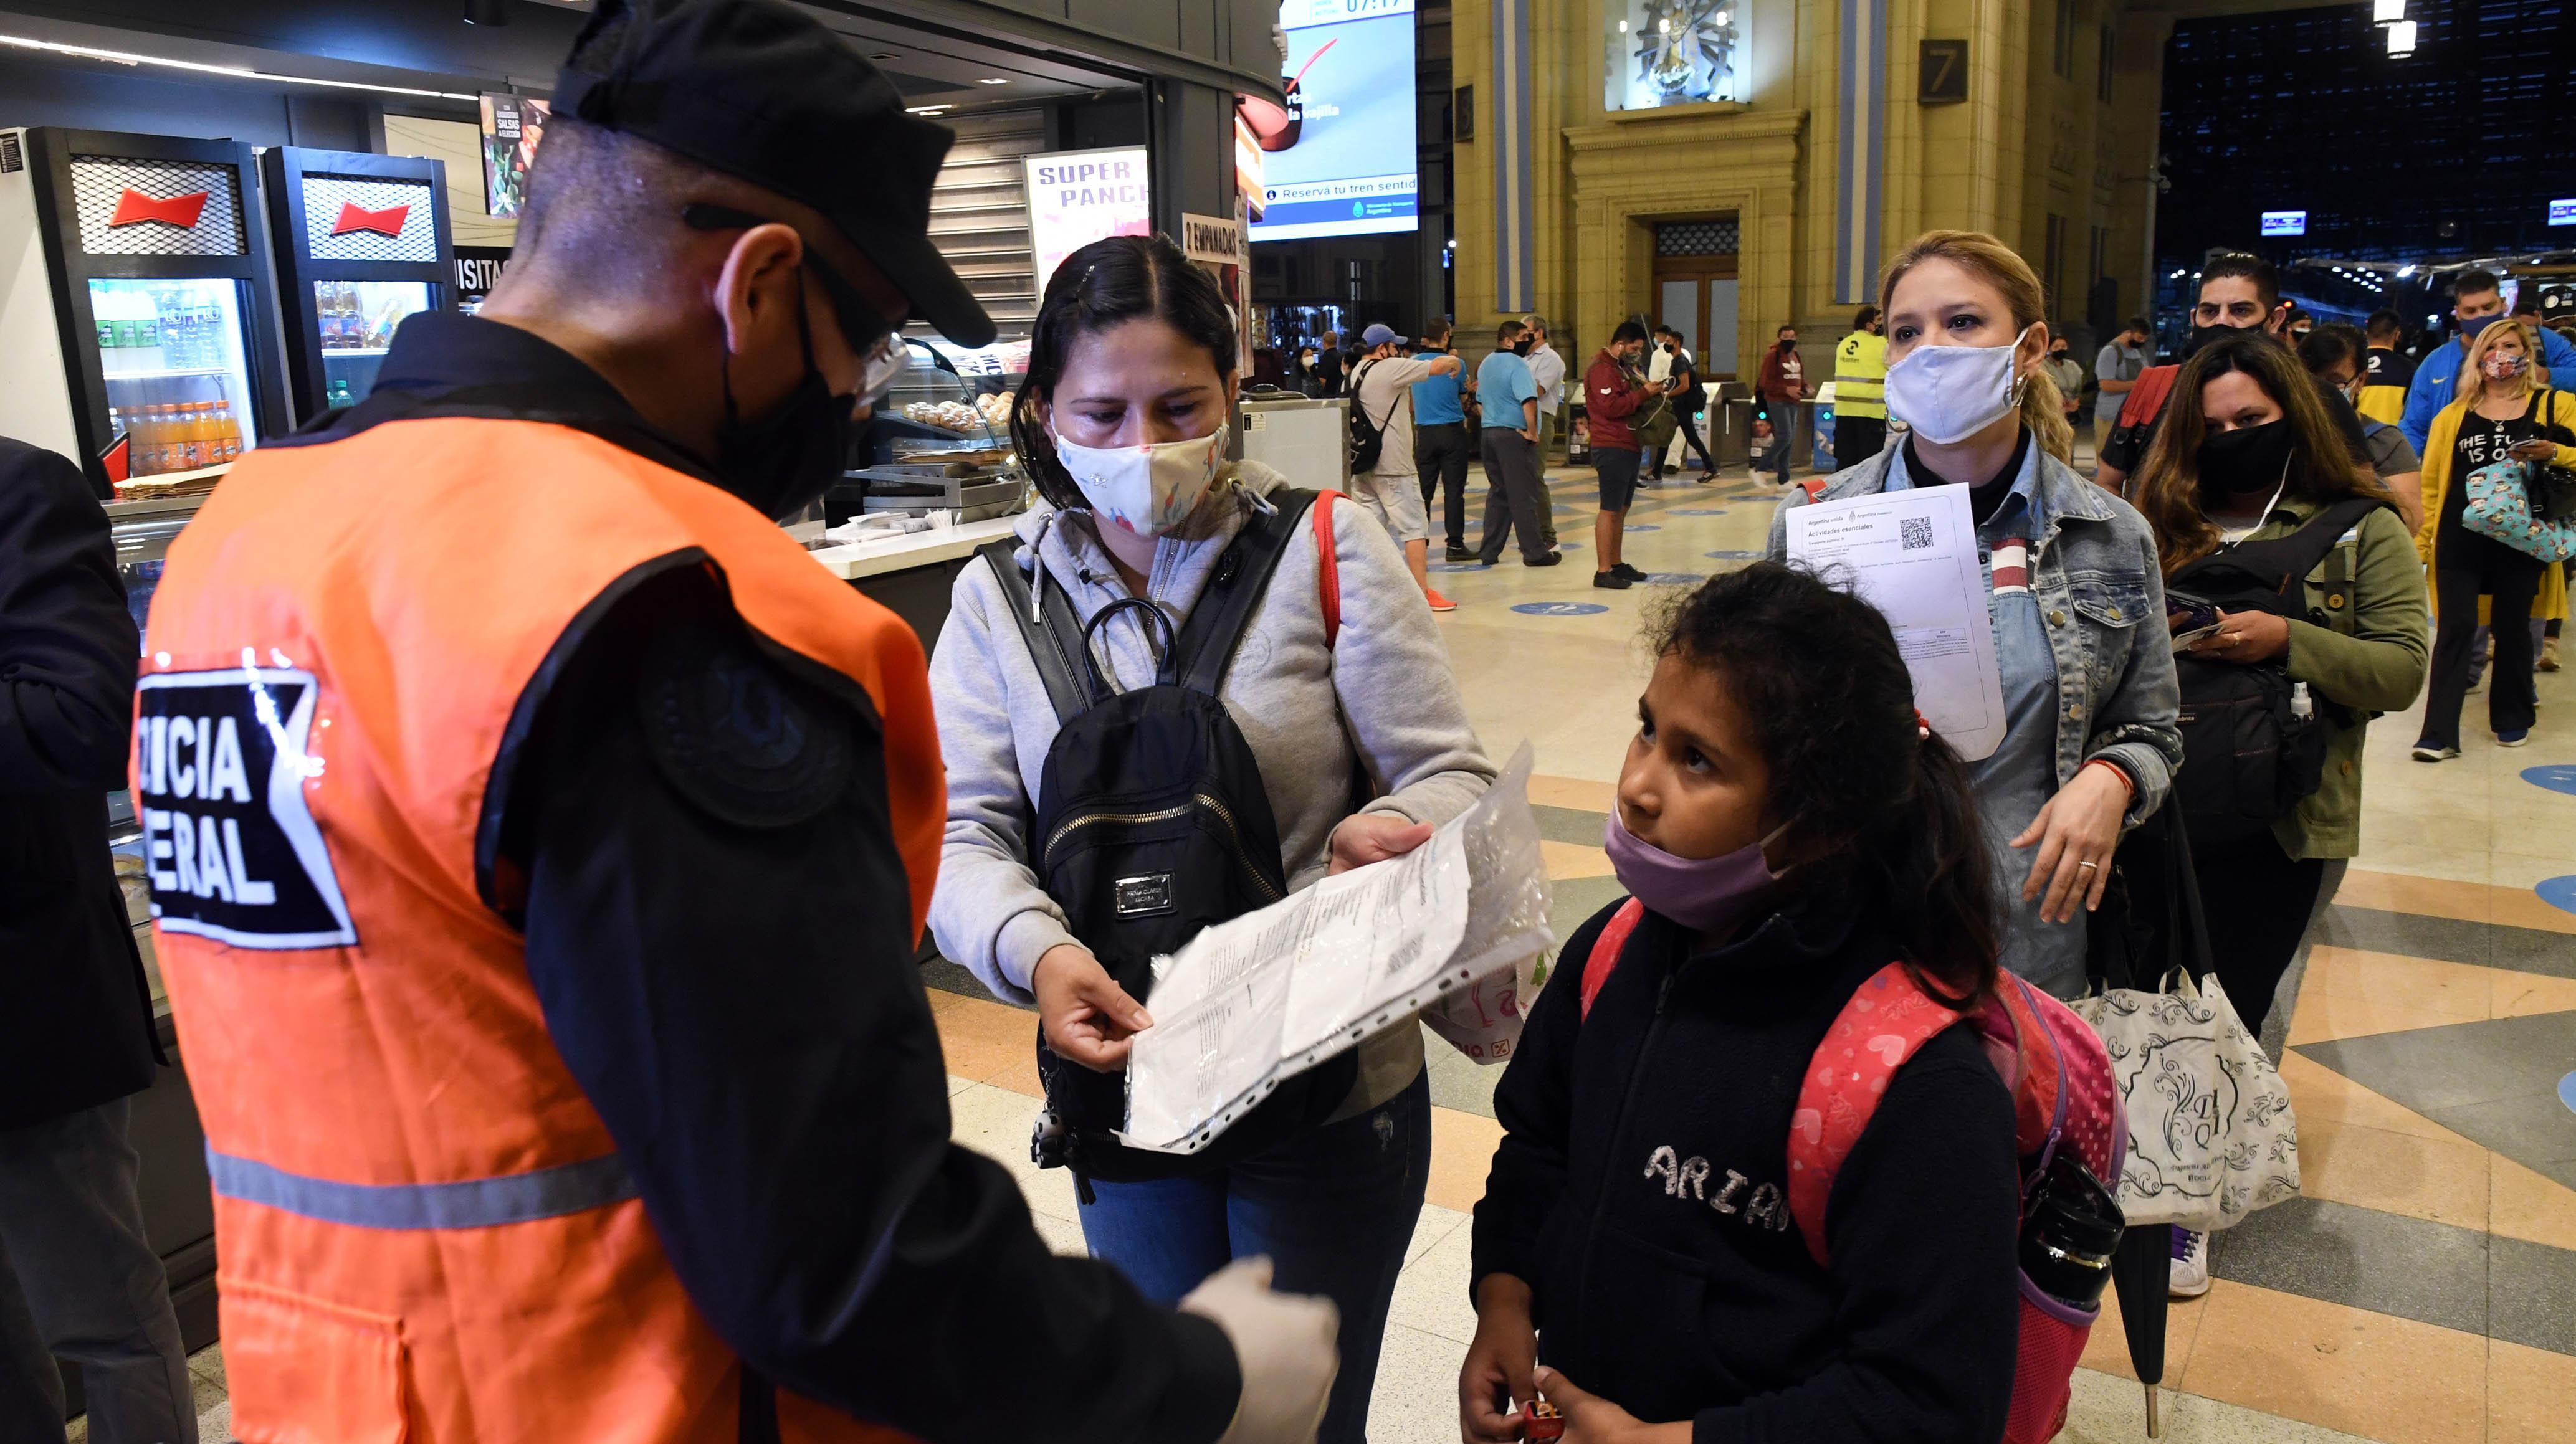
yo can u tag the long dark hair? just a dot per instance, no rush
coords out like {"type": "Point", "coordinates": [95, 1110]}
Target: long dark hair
{"type": "Point", "coordinates": [1105, 284]}
{"type": "Point", "coordinates": [2167, 489]}
{"type": "Point", "coordinates": [1886, 816]}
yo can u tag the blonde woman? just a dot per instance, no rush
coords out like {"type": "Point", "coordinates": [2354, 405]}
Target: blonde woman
{"type": "Point", "coordinates": [2501, 415]}
{"type": "Point", "coordinates": [2075, 595]}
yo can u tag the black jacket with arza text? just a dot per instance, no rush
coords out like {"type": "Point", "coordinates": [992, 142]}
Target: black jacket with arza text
{"type": "Point", "coordinates": [1641, 1191]}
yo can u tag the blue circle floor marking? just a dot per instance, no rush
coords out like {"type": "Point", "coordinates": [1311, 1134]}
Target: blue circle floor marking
{"type": "Point", "coordinates": [2567, 1092]}
{"type": "Point", "coordinates": [1697, 511]}
{"type": "Point", "coordinates": [2557, 776]}
{"type": "Point", "coordinates": [1674, 579]}
{"type": "Point", "coordinates": [1730, 556]}
{"type": "Point", "coordinates": [1559, 609]}
{"type": "Point", "coordinates": [2558, 892]}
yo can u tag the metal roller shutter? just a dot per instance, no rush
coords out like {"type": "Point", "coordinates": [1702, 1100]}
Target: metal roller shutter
{"type": "Point", "coordinates": [979, 215]}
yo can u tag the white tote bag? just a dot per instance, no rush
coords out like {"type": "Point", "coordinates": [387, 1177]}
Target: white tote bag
{"type": "Point", "coordinates": [2211, 1137]}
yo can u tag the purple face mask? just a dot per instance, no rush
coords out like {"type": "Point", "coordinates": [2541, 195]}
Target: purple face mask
{"type": "Point", "coordinates": [1700, 893]}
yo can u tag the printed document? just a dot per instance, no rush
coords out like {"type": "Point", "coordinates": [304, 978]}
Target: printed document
{"type": "Point", "coordinates": [1913, 555]}
{"type": "Point", "coordinates": [1270, 994]}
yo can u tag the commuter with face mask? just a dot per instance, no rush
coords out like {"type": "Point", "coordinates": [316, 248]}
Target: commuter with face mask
{"type": "Point", "coordinates": [2477, 300]}
{"type": "Point", "coordinates": [2334, 357]}
{"type": "Point", "coordinates": [2501, 419]}
{"type": "Point", "coordinates": [2073, 589]}
{"type": "Point", "coordinates": [1148, 532]}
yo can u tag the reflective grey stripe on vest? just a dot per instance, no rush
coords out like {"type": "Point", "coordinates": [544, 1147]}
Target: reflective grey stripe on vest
{"type": "Point", "coordinates": [475, 1203]}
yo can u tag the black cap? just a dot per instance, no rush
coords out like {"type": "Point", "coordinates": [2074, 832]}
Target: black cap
{"type": "Point", "coordinates": [764, 93]}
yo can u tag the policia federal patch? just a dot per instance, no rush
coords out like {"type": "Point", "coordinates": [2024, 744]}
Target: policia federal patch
{"type": "Point", "coordinates": [220, 763]}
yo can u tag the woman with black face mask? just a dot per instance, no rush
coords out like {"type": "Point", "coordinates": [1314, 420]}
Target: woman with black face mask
{"type": "Point", "coordinates": [2249, 478]}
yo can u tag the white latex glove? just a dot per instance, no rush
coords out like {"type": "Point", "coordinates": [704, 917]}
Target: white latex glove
{"type": "Point", "coordinates": [1283, 1345]}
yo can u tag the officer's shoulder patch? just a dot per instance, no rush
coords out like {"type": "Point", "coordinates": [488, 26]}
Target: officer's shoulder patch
{"type": "Point", "coordinates": [740, 736]}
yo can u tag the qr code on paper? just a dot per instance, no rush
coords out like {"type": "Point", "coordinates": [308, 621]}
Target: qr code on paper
{"type": "Point", "coordinates": [1917, 532]}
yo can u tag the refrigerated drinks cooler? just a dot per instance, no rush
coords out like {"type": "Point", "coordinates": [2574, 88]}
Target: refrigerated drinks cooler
{"type": "Point", "coordinates": [362, 244]}
{"type": "Point", "coordinates": [135, 296]}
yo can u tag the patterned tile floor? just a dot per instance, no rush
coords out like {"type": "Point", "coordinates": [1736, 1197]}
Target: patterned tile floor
{"type": "Point", "coordinates": [2423, 1291]}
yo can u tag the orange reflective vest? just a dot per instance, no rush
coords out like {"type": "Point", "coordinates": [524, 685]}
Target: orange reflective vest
{"type": "Point", "coordinates": [425, 1231]}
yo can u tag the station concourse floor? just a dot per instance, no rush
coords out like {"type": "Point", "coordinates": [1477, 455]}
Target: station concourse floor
{"type": "Point", "coordinates": [2423, 1288]}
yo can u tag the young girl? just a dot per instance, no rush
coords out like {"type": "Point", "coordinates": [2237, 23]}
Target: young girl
{"type": "Point", "coordinates": [1791, 828]}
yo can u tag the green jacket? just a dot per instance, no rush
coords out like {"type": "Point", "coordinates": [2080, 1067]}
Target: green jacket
{"type": "Point", "coordinates": [2368, 656]}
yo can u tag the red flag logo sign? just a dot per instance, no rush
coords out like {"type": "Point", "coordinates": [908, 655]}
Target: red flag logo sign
{"type": "Point", "coordinates": [134, 207]}
{"type": "Point", "coordinates": [386, 222]}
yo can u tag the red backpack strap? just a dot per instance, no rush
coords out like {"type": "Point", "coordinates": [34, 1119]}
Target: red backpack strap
{"type": "Point", "coordinates": [1814, 487]}
{"type": "Point", "coordinates": [2148, 397]}
{"type": "Point", "coordinates": [1328, 567]}
{"type": "Point", "coordinates": [1885, 1021]}
{"type": "Point", "coordinates": [1606, 947]}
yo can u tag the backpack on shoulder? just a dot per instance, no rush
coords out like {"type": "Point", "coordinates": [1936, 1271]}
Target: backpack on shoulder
{"type": "Point", "coordinates": [2140, 408]}
{"type": "Point", "coordinates": [1368, 438]}
{"type": "Point", "coordinates": [1151, 823]}
{"type": "Point", "coordinates": [2254, 743]}
{"type": "Point", "coordinates": [2069, 1130]}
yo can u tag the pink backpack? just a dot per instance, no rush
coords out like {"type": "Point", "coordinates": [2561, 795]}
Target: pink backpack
{"type": "Point", "coordinates": [2063, 1096]}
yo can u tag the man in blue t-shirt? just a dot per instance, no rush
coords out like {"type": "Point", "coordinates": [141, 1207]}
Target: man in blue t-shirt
{"type": "Point", "coordinates": [1507, 395]}
{"type": "Point", "coordinates": [1440, 438]}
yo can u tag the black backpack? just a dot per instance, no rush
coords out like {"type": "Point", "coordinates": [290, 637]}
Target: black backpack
{"type": "Point", "coordinates": [2249, 757]}
{"type": "Point", "coordinates": [1368, 438]}
{"type": "Point", "coordinates": [1151, 823]}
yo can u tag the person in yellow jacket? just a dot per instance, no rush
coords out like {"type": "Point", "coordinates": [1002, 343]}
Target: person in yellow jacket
{"type": "Point", "coordinates": [539, 841]}
{"type": "Point", "coordinates": [1860, 389]}
{"type": "Point", "coordinates": [2501, 414]}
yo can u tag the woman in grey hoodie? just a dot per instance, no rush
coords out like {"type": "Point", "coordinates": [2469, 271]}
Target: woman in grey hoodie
{"type": "Point", "coordinates": [1131, 379]}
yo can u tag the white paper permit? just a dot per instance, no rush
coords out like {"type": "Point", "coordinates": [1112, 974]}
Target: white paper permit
{"type": "Point", "coordinates": [1252, 1002]}
{"type": "Point", "coordinates": [1913, 555]}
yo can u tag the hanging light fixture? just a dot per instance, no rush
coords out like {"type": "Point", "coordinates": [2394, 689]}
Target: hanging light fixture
{"type": "Point", "coordinates": [2385, 12]}
{"type": "Point", "coordinates": [2401, 38]}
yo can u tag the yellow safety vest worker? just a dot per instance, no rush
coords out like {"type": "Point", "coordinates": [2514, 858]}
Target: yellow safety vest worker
{"type": "Point", "coordinates": [1860, 375]}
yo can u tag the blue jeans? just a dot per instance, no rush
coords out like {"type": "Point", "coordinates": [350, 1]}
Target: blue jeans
{"type": "Point", "coordinates": [1333, 1208]}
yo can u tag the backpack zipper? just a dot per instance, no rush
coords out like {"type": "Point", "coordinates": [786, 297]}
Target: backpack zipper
{"type": "Point", "coordinates": [1223, 814]}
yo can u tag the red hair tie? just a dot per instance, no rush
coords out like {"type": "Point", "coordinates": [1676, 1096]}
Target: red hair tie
{"type": "Point", "coordinates": [1922, 729]}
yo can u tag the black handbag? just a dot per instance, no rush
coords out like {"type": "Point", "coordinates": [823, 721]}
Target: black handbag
{"type": "Point", "coordinates": [2553, 487]}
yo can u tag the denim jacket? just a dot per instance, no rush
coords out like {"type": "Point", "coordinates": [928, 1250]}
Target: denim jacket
{"type": "Point", "coordinates": [2093, 568]}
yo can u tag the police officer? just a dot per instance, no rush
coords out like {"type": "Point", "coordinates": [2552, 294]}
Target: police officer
{"type": "Point", "coordinates": [1860, 389]}
{"type": "Point", "coordinates": [538, 840]}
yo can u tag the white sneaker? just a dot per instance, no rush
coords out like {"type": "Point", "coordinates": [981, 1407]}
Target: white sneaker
{"type": "Point", "coordinates": [2190, 1264]}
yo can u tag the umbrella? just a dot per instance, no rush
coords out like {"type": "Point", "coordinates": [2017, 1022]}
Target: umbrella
{"type": "Point", "coordinates": [2142, 1272]}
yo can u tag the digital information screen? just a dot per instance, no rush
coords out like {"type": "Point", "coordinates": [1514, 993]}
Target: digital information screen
{"type": "Point", "coordinates": [1344, 163]}
{"type": "Point", "coordinates": [2285, 223]}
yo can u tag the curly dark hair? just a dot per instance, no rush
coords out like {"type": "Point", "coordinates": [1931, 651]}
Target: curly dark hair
{"type": "Point", "coordinates": [1887, 816]}
{"type": "Point", "coordinates": [1106, 284]}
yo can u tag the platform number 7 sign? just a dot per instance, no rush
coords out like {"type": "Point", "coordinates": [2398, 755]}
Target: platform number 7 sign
{"type": "Point", "coordinates": [1943, 72]}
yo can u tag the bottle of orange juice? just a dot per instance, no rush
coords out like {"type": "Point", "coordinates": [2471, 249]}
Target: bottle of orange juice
{"type": "Point", "coordinates": [151, 433]}
{"type": "Point", "coordinates": [195, 430]}
{"type": "Point", "coordinates": [229, 429]}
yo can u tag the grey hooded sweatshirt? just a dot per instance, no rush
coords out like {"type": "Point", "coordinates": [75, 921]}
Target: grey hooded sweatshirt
{"type": "Point", "coordinates": [1385, 687]}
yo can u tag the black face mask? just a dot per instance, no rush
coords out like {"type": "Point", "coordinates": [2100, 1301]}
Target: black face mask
{"type": "Point", "coordinates": [1788, 346]}
{"type": "Point", "coordinates": [1524, 346]}
{"type": "Point", "coordinates": [783, 462]}
{"type": "Point", "coordinates": [2248, 459]}
{"type": "Point", "coordinates": [2204, 335]}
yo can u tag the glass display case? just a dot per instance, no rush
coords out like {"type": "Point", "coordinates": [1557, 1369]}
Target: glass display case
{"type": "Point", "coordinates": [174, 358]}
{"type": "Point", "coordinates": [355, 321]}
